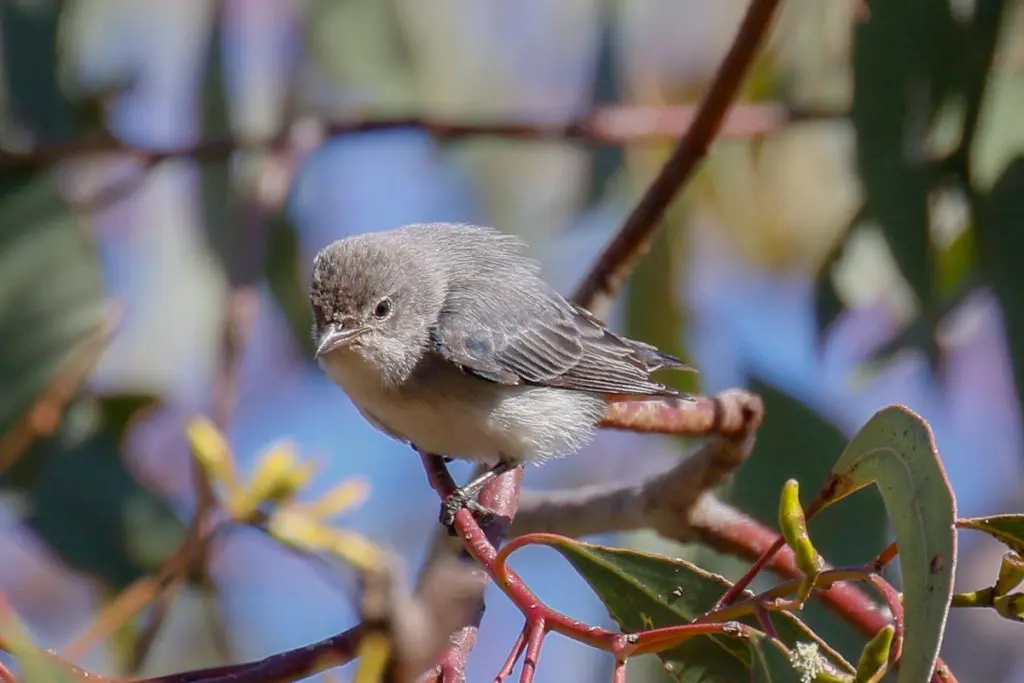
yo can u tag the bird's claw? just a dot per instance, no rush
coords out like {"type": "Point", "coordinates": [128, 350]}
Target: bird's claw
{"type": "Point", "coordinates": [456, 501]}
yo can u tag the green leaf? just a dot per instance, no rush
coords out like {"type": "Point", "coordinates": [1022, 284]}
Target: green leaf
{"type": "Point", "coordinates": [1001, 244]}
{"type": "Point", "coordinates": [28, 36]}
{"type": "Point", "coordinates": [795, 442]}
{"type": "Point", "coordinates": [1007, 529]}
{"type": "Point", "coordinates": [51, 290]}
{"type": "Point", "coordinates": [644, 591]}
{"type": "Point", "coordinates": [827, 302]}
{"type": "Point", "coordinates": [981, 37]}
{"type": "Point", "coordinates": [896, 451]}
{"type": "Point", "coordinates": [87, 507]}
{"type": "Point", "coordinates": [901, 79]}
{"type": "Point", "coordinates": [221, 204]}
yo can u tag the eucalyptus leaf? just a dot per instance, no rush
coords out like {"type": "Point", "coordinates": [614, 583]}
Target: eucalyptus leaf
{"type": "Point", "coordinates": [794, 443]}
{"type": "Point", "coordinates": [896, 451]}
{"type": "Point", "coordinates": [1007, 529]}
{"type": "Point", "coordinates": [28, 38]}
{"type": "Point", "coordinates": [901, 80]}
{"type": "Point", "coordinates": [51, 290]}
{"type": "Point", "coordinates": [1001, 244]}
{"type": "Point", "coordinates": [643, 591]}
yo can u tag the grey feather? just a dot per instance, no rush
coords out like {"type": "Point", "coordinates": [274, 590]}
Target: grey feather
{"type": "Point", "coordinates": [502, 322]}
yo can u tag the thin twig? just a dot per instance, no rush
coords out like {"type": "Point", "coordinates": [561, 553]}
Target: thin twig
{"type": "Point", "coordinates": [615, 125]}
{"type": "Point", "coordinates": [631, 243]}
{"type": "Point", "coordinates": [287, 666]}
{"type": "Point", "coordinates": [723, 528]}
{"type": "Point", "coordinates": [44, 417]}
{"type": "Point", "coordinates": [133, 600]}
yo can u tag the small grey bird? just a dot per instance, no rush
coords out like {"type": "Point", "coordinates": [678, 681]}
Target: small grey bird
{"type": "Point", "coordinates": [445, 337]}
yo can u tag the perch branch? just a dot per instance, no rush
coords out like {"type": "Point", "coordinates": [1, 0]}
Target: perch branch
{"type": "Point", "coordinates": [664, 501]}
{"type": "Point", "coordinates": [502, 497]}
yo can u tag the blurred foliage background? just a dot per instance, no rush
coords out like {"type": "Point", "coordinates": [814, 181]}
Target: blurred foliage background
{"type": "Point", "coordinates": [864, 252]}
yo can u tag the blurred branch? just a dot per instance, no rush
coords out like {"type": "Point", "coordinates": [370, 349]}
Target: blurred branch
{"type": "Point", "coordinates": [43, 418]}
{"type": "Point", "coordinates": [633, 241]}
{"type": "Point", "coordinates": [287, 666]}
{"type": "Point", "coordinates": [134, 599]}
{"type": "Point", "coordinates": [416, 628]}
{"type": "Point", "coordinates": [15, 640]}
{"type": "Point", "coordinates": [615, 125]}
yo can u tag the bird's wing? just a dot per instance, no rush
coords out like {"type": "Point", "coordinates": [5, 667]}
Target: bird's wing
{"type": "Point", "coordinates": [539, 338]}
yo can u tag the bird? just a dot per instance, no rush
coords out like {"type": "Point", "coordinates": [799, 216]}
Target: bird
{"type": "Point", "coordinates": [445, 337]}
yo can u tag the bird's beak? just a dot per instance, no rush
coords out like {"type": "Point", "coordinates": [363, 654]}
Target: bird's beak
{"type": "Point", "coordinates": [335, 336]}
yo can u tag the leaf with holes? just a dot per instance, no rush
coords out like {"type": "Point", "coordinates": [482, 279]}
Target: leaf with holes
{"type": "Point", "coordinates": [896, 451]}
{"type": "Point", "coordinates": [1007, 529]}
{"type": "Point", "coordinates": [643, 591]}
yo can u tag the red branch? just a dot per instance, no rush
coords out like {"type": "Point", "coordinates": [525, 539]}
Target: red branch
{"type": "Point", "coordinates": [696, 416]}
{"type": "Point", "coordinates": [736, 534]}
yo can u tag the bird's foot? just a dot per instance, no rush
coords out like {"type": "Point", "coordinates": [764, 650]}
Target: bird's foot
{"type": "Point", "coordinates": [459, 499]}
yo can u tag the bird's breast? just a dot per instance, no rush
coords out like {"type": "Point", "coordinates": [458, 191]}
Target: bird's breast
{"type": "Point", "coordinates": [448, 412]}
{"type": "Point", "coordinates": [443, 423]}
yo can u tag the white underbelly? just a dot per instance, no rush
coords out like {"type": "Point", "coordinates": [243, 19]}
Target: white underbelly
{"type": "Point", "coordinates": [444, 427]}
{"type": "Point", "coordinates": [438, 430]}
{"type": "Point", "coordinates": [496, 422]}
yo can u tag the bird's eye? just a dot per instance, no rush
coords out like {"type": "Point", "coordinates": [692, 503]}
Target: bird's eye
{"type": "Point", "coordinates": [383, 309]}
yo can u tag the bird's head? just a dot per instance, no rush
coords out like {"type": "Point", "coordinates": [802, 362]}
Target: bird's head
{"type": "Point", "coordinates": [375, 298]}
